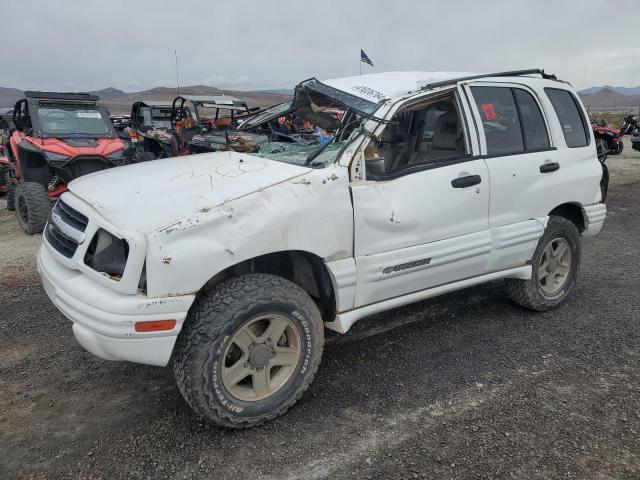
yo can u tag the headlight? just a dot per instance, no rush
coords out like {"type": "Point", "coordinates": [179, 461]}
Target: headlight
{"type": "Point", "coordinates": [107, 254]}
{"type": "Point", "coordinates": [56, 159]}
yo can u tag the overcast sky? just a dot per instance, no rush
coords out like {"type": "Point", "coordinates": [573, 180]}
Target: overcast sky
{"type": "Point", "coordinates": [92, 44]}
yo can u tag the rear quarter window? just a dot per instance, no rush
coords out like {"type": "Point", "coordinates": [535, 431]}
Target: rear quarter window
{"type": "Point", "coordinates": [574, 125]}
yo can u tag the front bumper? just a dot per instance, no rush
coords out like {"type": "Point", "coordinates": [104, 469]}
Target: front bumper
{"type": "Point", "coordinates": [104, 320]}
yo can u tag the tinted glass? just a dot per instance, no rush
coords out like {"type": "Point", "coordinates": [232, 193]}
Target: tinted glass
{"type": "Point", "coordinates": [533, 127]}
{"type": "Point", "coordinates": [573, 123]}
{"type": "Point", "coordinates": [59, 121]}
{"type": "Point", "coordinates": [500, 120]}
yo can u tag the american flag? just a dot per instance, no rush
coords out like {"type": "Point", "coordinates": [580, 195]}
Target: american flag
{"type": "Point", "coordinates": [364, 58]}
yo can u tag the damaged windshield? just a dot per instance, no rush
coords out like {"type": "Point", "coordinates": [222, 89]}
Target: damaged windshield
{"type": "Point", "coordinates": [348, 100]}
{"type": "Point", "coordinates": [313, 128]}
{"type": "Point", "coordinates": [300, 154]}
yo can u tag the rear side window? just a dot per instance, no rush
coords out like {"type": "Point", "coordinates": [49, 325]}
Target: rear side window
{"type": "Point", "coordinates": [497, 107]}
{"type": "Point", "coordinates": [533, 126]}
{"type": "Point", "coordinates": [572, 121]}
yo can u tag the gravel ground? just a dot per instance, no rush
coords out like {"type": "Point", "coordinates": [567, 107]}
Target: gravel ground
{"type": "Point", "coordinates": [463, 386]}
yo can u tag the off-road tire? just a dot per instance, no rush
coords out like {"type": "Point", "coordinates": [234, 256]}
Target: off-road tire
{"type": "Point", "coordinates": [11, 192]}
{"type": "Point", "coordinates": [33, 213]}
{"type": "Point", "coordinates": [529, 293]}
{"type": "Point", "coordinates": [213, 320]}
{"type": "Point", "coordinates": [142, 156]}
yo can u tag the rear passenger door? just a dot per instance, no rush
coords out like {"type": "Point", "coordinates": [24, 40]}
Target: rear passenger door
{"type": "Point", "coordinates": [527, 171]}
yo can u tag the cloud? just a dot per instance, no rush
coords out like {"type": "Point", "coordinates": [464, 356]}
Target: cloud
{"type": "Point", "coordinates": [252, 44]}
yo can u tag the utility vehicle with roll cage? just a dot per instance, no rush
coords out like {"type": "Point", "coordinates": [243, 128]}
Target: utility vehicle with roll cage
{"type": "Point", "coordinates": [234, 263]}
{"type": "Point", "coordinates": [151, 129]}
{"type": "Point", "coordinates": [190, 130]}
{"type": "Point", "coordinates": [57, 137]}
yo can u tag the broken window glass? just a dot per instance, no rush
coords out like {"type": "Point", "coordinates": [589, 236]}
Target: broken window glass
{"type": "Point", "coordinates": [298, 154]}
{"type": "Point", "coordinates": [346, 99]}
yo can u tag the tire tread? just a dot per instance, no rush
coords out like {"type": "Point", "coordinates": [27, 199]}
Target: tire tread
{"type": "Point", "coordinates": [232, 296]}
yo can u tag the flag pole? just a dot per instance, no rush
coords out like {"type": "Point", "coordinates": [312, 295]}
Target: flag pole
{"type": "Point", "coordinates": [361, 64]}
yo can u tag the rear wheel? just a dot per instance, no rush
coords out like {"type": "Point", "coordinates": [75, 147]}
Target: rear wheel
{"type": "Point", "coordinates": [32, 206]}
{"type": "Point", "coordinates": [248, 350]}
{"type": "Point", "coordinates": [555, 265]}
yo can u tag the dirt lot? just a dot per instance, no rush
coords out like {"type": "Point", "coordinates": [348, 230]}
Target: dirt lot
{"type": "Point", "coordinates": [464, 386]}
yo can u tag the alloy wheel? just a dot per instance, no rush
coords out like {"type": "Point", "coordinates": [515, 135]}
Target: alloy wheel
{"type": "Point", "coordinates": [555, 266]}
{"type": "Point", "coordinates": [260, 357]}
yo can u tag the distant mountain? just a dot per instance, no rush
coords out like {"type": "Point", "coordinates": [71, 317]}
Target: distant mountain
{"type": "Point", "coordinates": [620, 90]}
{"type": "Point", "coordinates": [9, 96]}
{"type": "Point", "coordinates": [109, 93]}
{"type": "Point", "coordinates": [281, 91]}
{"type": "Point", "coordinates": [608, 99]}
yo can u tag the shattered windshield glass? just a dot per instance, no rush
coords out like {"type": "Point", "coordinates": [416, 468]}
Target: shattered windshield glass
{"type": "Point", "coordinates": [351, 101]}
{"type": "Point", "coordinates": [313, 128]}
{"type": "Point", "coordinates": [298, 154]}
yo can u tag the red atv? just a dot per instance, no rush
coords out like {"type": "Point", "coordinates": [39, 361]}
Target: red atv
{"type": "Point", "coordinates": [57, 137]}
{"type": "Point", "coordinates": [608, 138]}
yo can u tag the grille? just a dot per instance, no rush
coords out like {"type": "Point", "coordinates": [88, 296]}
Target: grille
{"type": "Point", "coordinates": [65, 229]}
{"type": "Point", "coordinates": [83, 165]}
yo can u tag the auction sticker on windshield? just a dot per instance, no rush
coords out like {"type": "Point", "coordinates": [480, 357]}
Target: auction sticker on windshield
{"type": "Point", "coordinates": [88, 115]}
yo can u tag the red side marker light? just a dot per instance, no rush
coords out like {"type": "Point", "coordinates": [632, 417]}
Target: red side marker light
{"type": "Point", "coordinates": [155, 325]}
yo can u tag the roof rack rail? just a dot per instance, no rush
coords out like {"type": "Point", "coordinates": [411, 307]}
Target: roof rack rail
{"type": "Point", "coordinates": [513, 73]}
{"type": "Point", "coordinates": [87, 97]}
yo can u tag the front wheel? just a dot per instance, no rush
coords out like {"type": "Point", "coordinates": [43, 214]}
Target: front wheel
{"type": "Point", "coordinates": [248, 350]}
{"type": "Point", "coordinates": [616, 147]}
{"type": "Point", "coordinates": [32, 206]}
{"type": "Point", "coordinates": [555, 265]}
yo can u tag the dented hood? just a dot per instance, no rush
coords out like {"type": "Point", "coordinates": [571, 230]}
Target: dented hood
{"type": "Point", "coordinates": [152, 195]}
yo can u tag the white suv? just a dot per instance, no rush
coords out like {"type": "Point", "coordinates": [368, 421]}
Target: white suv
{"type": "Point", "coordinates": [234, 263]}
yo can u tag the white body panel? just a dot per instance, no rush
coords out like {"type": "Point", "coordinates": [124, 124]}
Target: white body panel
{"type": "Point", "coordinates": [401, 221]}
{"type": "Point", "coordinates": [384, 243]}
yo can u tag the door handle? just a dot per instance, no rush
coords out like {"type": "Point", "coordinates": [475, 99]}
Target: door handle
{"type": "Point", "coordinates": [464, 182]}
{"type": "Point", "coordinates": [549, 167]}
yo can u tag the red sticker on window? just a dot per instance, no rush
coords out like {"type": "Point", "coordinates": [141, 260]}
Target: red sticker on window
{"type": "Point", "coordinates": [489, 111]}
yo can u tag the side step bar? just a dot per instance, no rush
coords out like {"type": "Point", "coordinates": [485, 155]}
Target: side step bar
{"type": "Point", "coordinates": [345, 320]}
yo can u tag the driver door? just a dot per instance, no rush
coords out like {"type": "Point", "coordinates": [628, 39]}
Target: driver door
{"type": "Point", "coordinates": [421, 216]}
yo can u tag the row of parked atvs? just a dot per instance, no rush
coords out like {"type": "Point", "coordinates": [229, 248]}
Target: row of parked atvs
{"type": "Point", "coordinates": [610, 139]}
{"type": "Point", "coordinates": [48, 139]}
